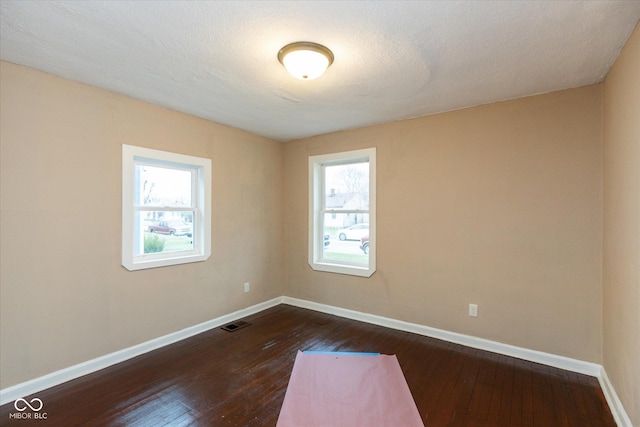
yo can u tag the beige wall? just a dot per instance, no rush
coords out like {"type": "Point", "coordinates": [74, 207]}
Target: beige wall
{"type": "Point", "coordinates": [498, 205]}
{"type": "Point", "coordinates": [621, 249]}
{"type": "Point", "coordinates": [64, 296]}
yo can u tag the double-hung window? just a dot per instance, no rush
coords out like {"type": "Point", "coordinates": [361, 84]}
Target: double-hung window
{"type": "Point", "coordinates": [166, 208]}
{"type": "Point", "coordinates": [342, 214]}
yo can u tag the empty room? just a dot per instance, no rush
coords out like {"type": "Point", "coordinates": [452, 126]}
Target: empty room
{"type": "Point", "coordinates": [320, 213]}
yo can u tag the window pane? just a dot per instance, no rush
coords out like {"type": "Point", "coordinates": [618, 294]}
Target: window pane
{"type": "Point", "coordinates": [166, 231]}
{"type": "Point", "coordinates": [158, 186]}
{"type": "Point", "coordinates": [347, 186]}
{"type": "Point", "coordinates": [346, 237]}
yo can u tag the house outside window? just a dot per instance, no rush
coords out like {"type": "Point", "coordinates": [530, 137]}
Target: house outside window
{"type": "Point", "coordinates": [342, 201]}
{"type": "Point", "coordinates": [166, 208]}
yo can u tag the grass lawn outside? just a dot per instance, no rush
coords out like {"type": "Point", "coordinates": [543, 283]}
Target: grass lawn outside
{"type": "Point", "coordinates": [175, 243]}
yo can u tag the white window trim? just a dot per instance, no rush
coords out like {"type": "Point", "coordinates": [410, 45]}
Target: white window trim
{"type": "Point", "coordinates": [315, 204]}
{"type": "Point", "coordinates": [202, 230]}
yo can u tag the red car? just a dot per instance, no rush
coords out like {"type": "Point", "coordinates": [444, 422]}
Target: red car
{"type": "Point", "coordinates": [364, 244]}
{"type": "Point", "coordinates": [172, 228]}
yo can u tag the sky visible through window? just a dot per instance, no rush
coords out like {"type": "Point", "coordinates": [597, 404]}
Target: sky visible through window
{"type": "Point", "coordinates": [345, 178]}
{"type": "Point", "coordinates": [165, 186]}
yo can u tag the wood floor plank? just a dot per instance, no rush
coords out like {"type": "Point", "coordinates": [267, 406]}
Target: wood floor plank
{"type": "Point", "coordinates": [545, 404]}
{"type": "Point", "coordinates": [562, 399]}
{"type": "Point", "coordinates": [517, 398]}
{"type": "Point", "coordinates": [480, 402]}
{"type": "Point", "coordinates": [506, 404]}
{"type": "Point", "coordinates": [594, 399]}
{"type": "Point", "coordinates": [239, 378]}
{"type": "Point", "coordinates": [464, 388]}
{"type": "Point", "coordinates": [439, 393]}
{"type": "Point", "coordinates": [493, 416]}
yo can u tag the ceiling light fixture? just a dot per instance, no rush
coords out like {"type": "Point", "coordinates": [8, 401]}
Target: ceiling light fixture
{"type": "Point", "coordinates": [305, 60]}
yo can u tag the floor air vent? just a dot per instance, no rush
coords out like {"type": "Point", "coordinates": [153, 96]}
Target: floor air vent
{"type": "Point", "coordinates": [235, 326]}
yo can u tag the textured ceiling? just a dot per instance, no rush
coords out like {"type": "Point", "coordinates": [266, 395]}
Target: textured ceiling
{"type": "Point", "coordinates": [393, 60]}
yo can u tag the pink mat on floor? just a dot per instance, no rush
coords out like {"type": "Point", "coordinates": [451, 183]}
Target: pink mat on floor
{"type": "Point", "coordinates": [332, 390]}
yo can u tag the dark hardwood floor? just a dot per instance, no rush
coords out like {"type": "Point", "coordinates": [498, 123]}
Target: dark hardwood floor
{"type": "Point", "coordinates": [239, 378]}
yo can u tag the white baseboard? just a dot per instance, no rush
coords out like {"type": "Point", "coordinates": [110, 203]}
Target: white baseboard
{"type": "Point", "coordinates": [561, 362]}
{"type": "Point", "coordinates": [55, 378]}
{"type": "Point", "coordinates": [58, 377]}
{"type": "Point", "coordinates": [548, 359]}
{"type": "Point", "coordinates": [619, 414]}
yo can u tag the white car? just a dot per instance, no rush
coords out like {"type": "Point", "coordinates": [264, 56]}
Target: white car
{"type": "Point", "coordinates": [355, 232]}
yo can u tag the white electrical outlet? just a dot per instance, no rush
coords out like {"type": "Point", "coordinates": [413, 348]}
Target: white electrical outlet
{"type": "Point", "coordinates": [473, 310]}
{"type": "Point", "coordinates": [247, 287]}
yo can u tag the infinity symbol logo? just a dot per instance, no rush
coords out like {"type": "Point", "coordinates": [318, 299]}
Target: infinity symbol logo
{"type": "Point", "coordinates": [34, 408]}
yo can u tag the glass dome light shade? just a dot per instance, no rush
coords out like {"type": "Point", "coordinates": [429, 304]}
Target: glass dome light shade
{"type": "Point", "coordinates": [305, 60]}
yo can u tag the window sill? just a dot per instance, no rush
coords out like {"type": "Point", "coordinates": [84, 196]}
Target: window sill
{"type": "Point", "coordinates": [164, 262]}
{"type": "Point", "coordinates": [343, 269]}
